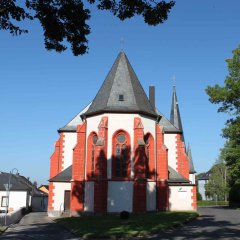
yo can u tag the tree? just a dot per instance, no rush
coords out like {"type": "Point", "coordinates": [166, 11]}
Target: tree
{"type": "Point", "coordinates": [228, 97]}
{"type": "Point", "coordinates": [217, 186]}
{"type": "Point", "coordinates": [66, 20]}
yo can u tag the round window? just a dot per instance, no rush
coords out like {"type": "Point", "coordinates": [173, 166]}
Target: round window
{"type": "Point", "coordinates": [121, 138]}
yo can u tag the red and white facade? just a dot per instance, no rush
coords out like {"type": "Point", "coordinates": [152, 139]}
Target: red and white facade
{"type": "Point", "coordinates": [119, 161]}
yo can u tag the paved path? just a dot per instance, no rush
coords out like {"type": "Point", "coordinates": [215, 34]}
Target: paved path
{"type": "Point", "coordinates": [214, 223]}
{"type": "Point", "coordinates": [36, 226]}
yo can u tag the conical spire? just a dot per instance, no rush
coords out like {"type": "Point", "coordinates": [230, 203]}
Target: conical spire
{"type": "Point", "coordinates": [191, 166]}
{"type": "Point", "coordinates": [175, 117]}
{"type": "Point", "coordinates": [121, 92]}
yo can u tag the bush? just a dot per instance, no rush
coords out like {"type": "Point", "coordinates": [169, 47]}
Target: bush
{"type": "Point", "coordinates": [199, 196]}
{"type": "Point", "coordinates": [234, 195]}
{"type": "Point", "coordinates": [124, 215]}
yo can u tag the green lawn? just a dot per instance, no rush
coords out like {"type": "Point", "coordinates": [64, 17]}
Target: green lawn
{"type": "Point", "coordinates": [211, 203]}
{"type": "Point", "coordinates": [2, 229]}
{"type": "Point", "coordinates": [136, 225]}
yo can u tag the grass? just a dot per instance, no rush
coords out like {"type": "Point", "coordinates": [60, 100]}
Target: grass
{"type": "Point", "coordinates": [211, 203]}
{"type": "Point", "coordinates": [137, 225]}
{"type": "Point", "coordinates": [2, 229]}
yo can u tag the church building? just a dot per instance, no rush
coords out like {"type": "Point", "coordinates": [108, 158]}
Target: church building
{"type": "Point", "coordinates": [120, 153]}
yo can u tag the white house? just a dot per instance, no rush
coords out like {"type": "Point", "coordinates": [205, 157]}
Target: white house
{"type": "Point", "coordinates": [22, 194]}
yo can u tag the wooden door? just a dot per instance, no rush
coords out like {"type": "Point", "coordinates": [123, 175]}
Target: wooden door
{"type": "Point", "coordinates": [66, 200]}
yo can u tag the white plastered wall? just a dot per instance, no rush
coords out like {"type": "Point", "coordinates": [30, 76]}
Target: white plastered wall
{"type": "Point", "coordinates": [170, 142]}
{"type": "Point", "coordinates": [180, 198]}
{"type": "Point", "coordinates": [151, 196]}
{"type": "Point", "coordinates": [70, 140]}
{"type": "Point", "coordinates": [117, 122]}
{"type": "Point", "coordinates": [192, 178]}
{"type": "Point", "coordinates": [89, 197]}
{"type": "Point", "coordinates": [58, 198]}
{"type": "Point", "coordinates": [17, 199]}
{"type": "Point", "coordinates": [120, 195]}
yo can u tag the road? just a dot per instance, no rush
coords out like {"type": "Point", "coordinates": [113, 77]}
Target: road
{"type": "Point", "coordinates": [36, 226]}
{"type": "Point", "coordinates": [214, 223]}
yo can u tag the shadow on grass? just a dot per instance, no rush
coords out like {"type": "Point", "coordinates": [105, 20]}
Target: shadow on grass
{"type": "Point", "coordinates": [137, 225]}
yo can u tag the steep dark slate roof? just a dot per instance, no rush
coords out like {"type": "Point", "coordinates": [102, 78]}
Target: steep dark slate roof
{"type": "Point", "coordinates": [72, 125]}
{"type": "Point", "coordinates": [175, 177]}
{"type": "Point", "coordinates": [191, 166]}
{"type": "Point", "coordinates": [64, 176]}
{"type": "Point", "coordinates": [14, 181]}
{"type": "Point", "coordinates": [166, 124]}
{"type": "Point", "coordinates": [175, 117]}
{"type": "Point", "coordinates": [121, 80]}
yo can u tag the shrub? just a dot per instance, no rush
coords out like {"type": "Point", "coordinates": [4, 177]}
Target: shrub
{"type": "Point", "coordinates": [124, 215]}
{"type": "Point", "coordinates": [234, 195]}
{"type": "Point", "coordinates": [199, 196]}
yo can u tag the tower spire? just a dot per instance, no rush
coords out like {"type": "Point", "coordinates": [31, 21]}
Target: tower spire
{"type": "Point", "coordinates": [175, 117]}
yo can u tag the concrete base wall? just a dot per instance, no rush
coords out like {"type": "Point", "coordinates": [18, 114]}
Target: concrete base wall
{"type": "Point", "coordinates": [12, 217]}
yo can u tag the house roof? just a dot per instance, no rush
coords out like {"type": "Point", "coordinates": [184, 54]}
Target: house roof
{"type": "Point", "coordinates": [64, 176]}
{"type": "Point", "coordinates": [72, 125]}
{"type": "Point", "coordinates": [121, 92]}
{"type": "Point", "coordinates": [191, 166]}
{"type": "Point", "coordinates": [203, 176]}
{"type": "Point", "coordinates": [175, 177]}
{"type": "Point", "coordinates": [45, 186]}
{"type": "Point", "coordinates": [175, 117]}
{"type": "Point", "coordinates": [18, 183]}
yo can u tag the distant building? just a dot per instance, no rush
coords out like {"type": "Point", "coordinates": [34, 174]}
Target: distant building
{"type": "Point", "coordinates": [202, 180]}
{"type": "Point", "coordinates": [22, 194]}
{"type": "Point", "coordinates": [44, 188]}
{"type": "Point", "coordinates": [121, 153]}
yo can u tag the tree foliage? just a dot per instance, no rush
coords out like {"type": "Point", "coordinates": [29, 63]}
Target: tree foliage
{"type": "Point", "coordinates": [66, 20]}
{"type": "Point", "coordinates": [217, 186]}
{"type": "Point", "coordinates": [228, 97]}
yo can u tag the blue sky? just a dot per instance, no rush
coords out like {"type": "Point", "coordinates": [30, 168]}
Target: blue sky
{"type": "Point", "coordinates": [41, 90]}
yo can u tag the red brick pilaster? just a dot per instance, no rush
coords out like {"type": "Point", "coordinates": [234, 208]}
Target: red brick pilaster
{"type": "Point", "coordinates": [50, 197]}
{"type": "Point", "coordinates": [54, 170]}
{"type": "Point", "coordinates": [139, 196]}
{"type": "Point", "coordinates": [162, 195]}
{"type": "Point", "coordinates": [162, 155]}
{"type": "Point", "coordinates": [100, 183]}
{"type": "Point", "coordinates": [182, 159]}
{"type": "Point", "coordinates": [194, 197]}
{"type": "Point", "coordinates": [162, 171]}
{"type": "Point", "coordinates": [100, 196]}
{"type": "Point", "coordinates": [54, 161]}
{"type": "Point", "coordinates": [77, 197]}
{"type": "Point", "coordinates": [78, 171]}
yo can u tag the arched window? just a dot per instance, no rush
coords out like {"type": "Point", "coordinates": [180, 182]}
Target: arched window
{"type": "Point", "coordinates": [121, 155]}
{"type": "Point", "coordinates": [149, 151]}
{"type": "Point", "coordinates": [91, 158]}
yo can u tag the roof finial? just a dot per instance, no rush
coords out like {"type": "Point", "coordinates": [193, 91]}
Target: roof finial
{"type": "Point", "coordinates": [174, 80]}
{"type": "Point", "coordinates": [122, 43]}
